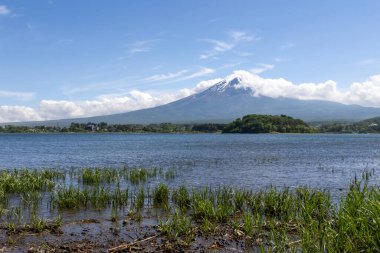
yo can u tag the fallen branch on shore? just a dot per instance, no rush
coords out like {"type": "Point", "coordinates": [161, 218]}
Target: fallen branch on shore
{"type": "Point", "coordinates": [128, 245]}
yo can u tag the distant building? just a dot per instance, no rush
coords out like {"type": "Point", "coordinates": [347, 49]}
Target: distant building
{"type": "Point", "coordinates": [373, 125]}
{"type": "Point", "coordinates": [91, 127]}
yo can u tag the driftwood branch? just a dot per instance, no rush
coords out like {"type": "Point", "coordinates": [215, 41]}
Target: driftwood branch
{"type": "Point", "coordinates": [295, 242]}
{"type": "Point", "coordinates": [127, 245]}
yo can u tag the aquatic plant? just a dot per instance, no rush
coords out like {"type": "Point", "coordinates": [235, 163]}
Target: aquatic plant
{"type": "Point", "coordinates": [296, 220]}
{"type": "Point", "coordinates": [140, 199]}
{"type": "Point", "coordinates": [248, 223]}
{"type": "Point", "coordinates": [25, 180]}
{"type": "Point", "coordinates": [38, 224]}
{"type": "Point", "coordinates": [181, 198]}
{"type": "Point", "coordinates": [161, 196]}
{"type": "Point", "coordinates": [138, 175]}
{"type": "Point", "coordinates": [120, 197]}
{"type": "Point", "coordinates": [178, 226]}
{"type": "Point", "coordinates": [170, 174]}
{"type": "Point", "coordinates": [69, 198]}
{"type": "Point", "coordinates": [114, 214]}
{"type": "Point", "coordinates": [98, 176]}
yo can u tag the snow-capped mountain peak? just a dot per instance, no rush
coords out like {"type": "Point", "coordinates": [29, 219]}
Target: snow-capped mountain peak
{"type": "Point", "coordinates": [239, 94]}
{"type": "Point", "coordinates": [233, 84]}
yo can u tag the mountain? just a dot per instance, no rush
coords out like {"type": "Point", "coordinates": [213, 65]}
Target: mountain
{"type": "Point", "coordinates": [228, 100]}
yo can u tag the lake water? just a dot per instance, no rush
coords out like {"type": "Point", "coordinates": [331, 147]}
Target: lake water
{"type": "Point", "coordinates": [252, 161]}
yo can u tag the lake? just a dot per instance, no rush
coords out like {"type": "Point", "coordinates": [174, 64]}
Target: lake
{"type": "Point", "coordinates": [251, 161]}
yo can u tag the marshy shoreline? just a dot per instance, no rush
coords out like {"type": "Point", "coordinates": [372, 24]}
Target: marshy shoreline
{"type": "Point", "coordinates": [137, 209]}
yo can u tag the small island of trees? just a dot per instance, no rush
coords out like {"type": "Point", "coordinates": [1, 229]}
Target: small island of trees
{"type": "Point", "coordinates": [255, 123]}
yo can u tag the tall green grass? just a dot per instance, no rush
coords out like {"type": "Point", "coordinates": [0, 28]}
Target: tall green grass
{"type": "Point", "coordinates": [279, 220]}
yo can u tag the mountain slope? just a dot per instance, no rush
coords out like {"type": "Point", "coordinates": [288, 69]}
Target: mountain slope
{"type": "Point", "coordinates": [224, 102]}
{"type": "Point", "coordinates": [228, 100]}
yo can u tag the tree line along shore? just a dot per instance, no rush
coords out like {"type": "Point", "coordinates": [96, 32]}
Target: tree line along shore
{"type": "Point", "coordinates": [253, 123]}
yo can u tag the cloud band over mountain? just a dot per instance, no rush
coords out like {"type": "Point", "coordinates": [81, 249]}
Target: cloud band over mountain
{"type": "Point", "coordinates": [365, 93]}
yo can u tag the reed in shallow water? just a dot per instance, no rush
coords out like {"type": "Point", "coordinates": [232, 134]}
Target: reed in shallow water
{"type": "Point", "coordinates": [301, 219]}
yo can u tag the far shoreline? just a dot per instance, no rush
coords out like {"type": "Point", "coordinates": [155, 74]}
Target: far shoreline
{"type": "Point", "coordinates": [248, 124]}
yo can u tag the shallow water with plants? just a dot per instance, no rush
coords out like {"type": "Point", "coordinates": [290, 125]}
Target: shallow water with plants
{"type": "Point", "coordinates": [137, 209]}
{"type": "Point", "coordinates": [196, 193]}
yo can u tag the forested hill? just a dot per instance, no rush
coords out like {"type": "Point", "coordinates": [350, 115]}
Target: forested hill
{"type": "Point", "coordinates": [365, 126]}
{"type": "Point", "coordinates": [255, 123]}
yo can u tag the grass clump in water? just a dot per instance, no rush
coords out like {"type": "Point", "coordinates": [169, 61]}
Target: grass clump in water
{"type": "Point", "coordinates": [356, 224]}
{"type": "Point", "coordinates": [178, 226]}
{"type": "Point", "coordinates": [140, 199]}
{"type": "Point", "coordinates": [170, 174]}
{"type": "Point", "coordinates": [138, 175]}
{"type": "Point", "coordinates": [181, 198]}
{"type": "Point", "coordinates": [161, 196]}
{"type": "Point", "coordinates": [69, 198]}
{"type": "Point", "coordinates": [98, 176]}
{"type": "Point", "coordinates": [25, 180]}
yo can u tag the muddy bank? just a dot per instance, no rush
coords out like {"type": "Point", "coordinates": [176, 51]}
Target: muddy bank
{"type": "Point", "coordinates": [124, 235]}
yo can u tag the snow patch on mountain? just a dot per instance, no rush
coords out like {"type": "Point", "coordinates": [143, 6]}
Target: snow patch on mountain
{"type": "Point", "coordinates": [278, 88]}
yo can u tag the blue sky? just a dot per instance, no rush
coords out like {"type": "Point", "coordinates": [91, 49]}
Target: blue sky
{"type": "Point", "coordinates": [55, 56]}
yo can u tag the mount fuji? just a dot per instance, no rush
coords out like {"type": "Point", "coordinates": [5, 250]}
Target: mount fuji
{"type": "Point", "coordinates": [226, 100]}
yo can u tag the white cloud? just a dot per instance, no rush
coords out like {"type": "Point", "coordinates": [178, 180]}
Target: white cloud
{"type": "Point", "coordinates": [365, 93]}
{"type": "Point", "coordinates": [199, 73]}
{"type": "Point", "coordinates": [218, 47]}
{"type": "Point", "coordinates": [141, 46]}
{"type": "Point", "coordinates": [18, 113]}
{"type": "Point", "coordinates": [201, 86]}
{"type": "Point", "coordinates": [280, 87]}
{"type": "Point", "coordinates": [206, 56]}
{"type": "Point", "coordinates": [230, 65]}
{"type": "Point", "coordinates": [168, 76]}
{"type": "Point", "coordinates": [17, 95]}
{"type": "Point", "coordinates": [134, 81]}
{"type": "Point", "coordinates": [179, 76]}
{"type": "Point", "coordinates": [277, 59]}
{"type": "Point", "coordinates": [245, 54]}
{"type": "Point", "coordinates": [103, 105]}
{"type": "Point", "coordinates": [262, 67]}
{"type": "Point", "coordinates": [368, 62]}
{"type": "Point", "coordinates": [242, 36]}
{"type": "Point", "coordinates": [4, 10]}
{"type": "Point", "coordinates": [235, 37]}
{"type": "Point", "coordinates": [58, 109]}
{"type": "Point", "coordinates": [287, 45]}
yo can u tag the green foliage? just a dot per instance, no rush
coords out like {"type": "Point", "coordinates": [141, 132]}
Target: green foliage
{"type": "Point", "coordinates": [279, 220]}
{"type": "Point", "coordinates": [366, 126]}
{"type": "Point", "coordinates": [208, 128]}
{"type": "Point", "coordinates": [170, 174]}
{"type": "Point", "coordinates": [25, 180]}
{"type": "Point", "coordinates": [248, 223]}
{"type": "Point", "coordinates": [140, 199]}
{"type": "Point", "coordinates": [161, 196]}
{"type": "Point", "coordinates": [138, 175]}
{"type": "Point", "coordinates": [178, 226]}
{"type": "Point", "coordinates": [181, 197]}
{"type": "Point", "coordinates": [255, 123]}
{"type": "Point", "coordinates": [98, 175]}
{"type": "Point", "coordinates": [103, 127]}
